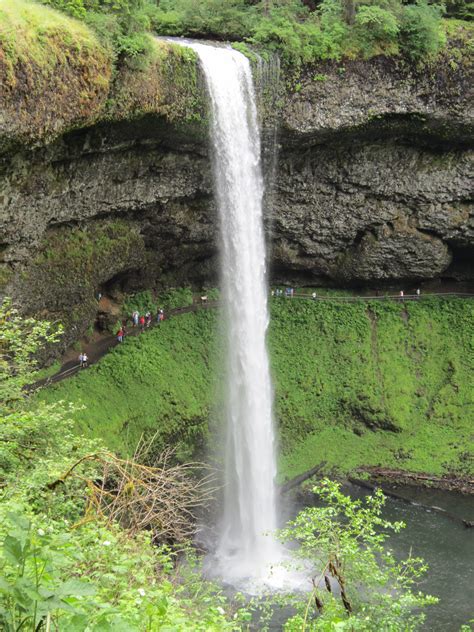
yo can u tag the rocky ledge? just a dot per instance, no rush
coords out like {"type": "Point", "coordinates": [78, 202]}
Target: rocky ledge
{"type": "Point", "coordinates": [372, 186]}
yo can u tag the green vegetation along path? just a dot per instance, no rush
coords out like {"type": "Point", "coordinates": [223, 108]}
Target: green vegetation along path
{"type": "Point", "coordinates": [365, 383]}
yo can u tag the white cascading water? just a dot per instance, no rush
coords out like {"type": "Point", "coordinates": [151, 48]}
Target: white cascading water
{"type": "Point", "coordinates": [246, 548]}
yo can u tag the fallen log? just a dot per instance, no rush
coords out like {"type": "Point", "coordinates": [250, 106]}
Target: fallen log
{"type": "Point", "coordinates": [301, 478]}
{"type": "Point", "coordinates": [463, 485]}
{"type": "Point", "coordinates": [392, 494]}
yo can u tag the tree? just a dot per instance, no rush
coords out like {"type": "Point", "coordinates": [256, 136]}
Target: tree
{"type": "Point", "coordinates": [20, 340]}
{"type": "Point", "coordinates": [358, 585]}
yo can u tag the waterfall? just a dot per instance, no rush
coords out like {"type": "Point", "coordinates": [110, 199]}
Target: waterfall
{"type": "Point", "coordinates": [245, 549]}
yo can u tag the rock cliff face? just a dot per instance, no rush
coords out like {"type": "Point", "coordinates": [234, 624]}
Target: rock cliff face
{"type": "Point", "coordinates": [373, 185]}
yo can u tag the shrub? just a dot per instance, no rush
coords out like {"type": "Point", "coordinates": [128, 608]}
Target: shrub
{"type": "Point", "coordinates": [376, 26]}
{"type": "Point", "coordinates": [334, 29]}
{"type": "Point", "coordinates": [421, 35]}
{"type": "Point", "coordinates": [75, 8]}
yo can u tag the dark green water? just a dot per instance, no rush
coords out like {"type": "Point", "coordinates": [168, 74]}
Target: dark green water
{"type": "Point", "coordinates": [446, 545]}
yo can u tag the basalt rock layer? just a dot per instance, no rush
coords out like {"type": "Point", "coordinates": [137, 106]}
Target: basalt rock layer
{"type": "Point", "coordinates": [373, 183]}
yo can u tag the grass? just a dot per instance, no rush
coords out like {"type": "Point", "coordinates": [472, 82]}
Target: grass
{"type": "Point", "coordinates": [34, 34]}
{"type": "Point", "coordinates": [160, 382]}
{"type": "Point", "coordinates": [365, 383]}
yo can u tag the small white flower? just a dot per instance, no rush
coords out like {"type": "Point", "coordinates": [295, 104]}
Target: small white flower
{"type": "Point", "coordinates": [220, 610]}
{"type": "Point", "coordinates": [41, 532]}
{"type": "Point", "coordinates": [141, 592]}
{"type": "Point", "coordinates": [106, 543]}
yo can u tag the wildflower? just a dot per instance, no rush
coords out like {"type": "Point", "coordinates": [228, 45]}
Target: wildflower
{"type": "Point", "coordinates": [141, 592]}
{"type": "Point", "coordinates": [41, 532]}
{"type": "Point", "coordinates": [106, 543]}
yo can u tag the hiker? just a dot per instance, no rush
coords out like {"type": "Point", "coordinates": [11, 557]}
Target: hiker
{"type": "Point", "coordinates": [314, 296]}
{"type": "Point", "coordinates": [120, 334]}
{"type": "Point", "coordinates": [83, 360]}
{"type": "Point", "coordinates": [142, 323]}
{"type": "Point", "coordinates": [418, 292]}
{"type": "Point", "coordinates": [148, 319]}
{"type": "Point", "coordinates": [161, 315]}
{"type": "Point", "coordinates": [135, 317]}
{"type": "Point", "coordinates": [402, 294]}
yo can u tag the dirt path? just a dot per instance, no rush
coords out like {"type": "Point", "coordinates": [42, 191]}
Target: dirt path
{"type": "Point", "coordinates": [97, 348]}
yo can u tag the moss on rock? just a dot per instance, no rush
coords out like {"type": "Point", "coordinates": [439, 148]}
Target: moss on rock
{"type": "Point", "coordinates": [57, 76]}
{"type": "Point", "coordinates": [62, 281]}
{"type": "Point", "coordinates": [167, 85]}
{"type": "Point", "coordinates": [54, 73]}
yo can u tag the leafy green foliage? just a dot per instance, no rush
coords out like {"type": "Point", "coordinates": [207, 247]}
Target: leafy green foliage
{"type": "Point", "coordinates": [359, 585]}
{"type": "Point", "coordinates": [377, 26]}
{"type": "Point", "coordinates": [89, 578]}
{"type": "Point", "coordinates": [122, 23]}
{"type": "Point", "coordinates": [96, 579]}
{"type": "Point", "coordinates": [30, 590]}
{"type": "Point", "coordinates": [147, 301]}
{"type": "Point", "coordinates": [336, 29]}
{"type": "Point", "coordinates": [420, 31]}
{"type": "Point", "coordinates": [20, 340]}
{"type": "Point", "coordinates": [462, 9]}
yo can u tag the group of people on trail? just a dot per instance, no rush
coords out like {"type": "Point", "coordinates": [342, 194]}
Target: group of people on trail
{"type": "Point", "coordinates": [144, 320]}
{"type": "Point", "coordinates": [289, 292]}
{"type": "Point", "coordinates": [138, 320]}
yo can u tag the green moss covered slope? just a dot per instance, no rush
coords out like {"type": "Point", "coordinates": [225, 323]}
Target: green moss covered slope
{"type": "Point", "coordinates": [54, 72]}
{"type": "Point", "coordinates": [356, 384]}
{"type": "Point", "coordinates": [57, 75]}
{"type": "Point", "coordinates": [375, 384]}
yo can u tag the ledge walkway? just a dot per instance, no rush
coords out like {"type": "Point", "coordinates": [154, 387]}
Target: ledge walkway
{"type": "Point", "coordinates": [97, 349]}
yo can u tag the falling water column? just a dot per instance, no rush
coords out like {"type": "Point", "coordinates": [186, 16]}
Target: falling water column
{"type": "Point", "coordinates": [245, 549]}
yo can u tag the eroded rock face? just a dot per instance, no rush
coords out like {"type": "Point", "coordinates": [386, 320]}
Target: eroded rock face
{"type": "Point", "coordinates": [373, 186]}
{"type": "Point", "coordinates": [95, 211]}
{"type": "Point", "coordinates": [382, 96]}
{"type": "Point", "coordinates": [371, 212]}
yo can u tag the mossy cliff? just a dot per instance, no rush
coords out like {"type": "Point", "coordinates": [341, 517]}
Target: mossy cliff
{"type": "Point", "coordinates": [373, 183]}
{"type": "Point", "coordinates": [365, 383]}
{"type": "Point", "coordinates": [71, 264]}
{"type": "Point", "coordinates": [56, 76]}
